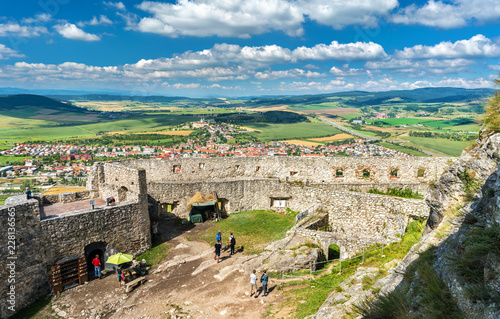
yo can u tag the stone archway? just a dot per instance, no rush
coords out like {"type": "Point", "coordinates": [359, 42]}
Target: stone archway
{"type": "Point", "coordinates": [91, 250]}
{"type": "Point", "coordinates": [122, 194]}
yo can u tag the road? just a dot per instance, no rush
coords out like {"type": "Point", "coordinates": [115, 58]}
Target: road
{"type": "Point", "coordinates": [367, 137]}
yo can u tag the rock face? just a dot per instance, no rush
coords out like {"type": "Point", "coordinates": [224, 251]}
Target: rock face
{"type": "Point", "coordinates": [465, 211]}
{"type": "Point", "coordinates": [479, 164]}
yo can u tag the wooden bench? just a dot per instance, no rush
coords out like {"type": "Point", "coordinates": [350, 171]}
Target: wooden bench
{"type": "Point", "coordinates": [133, 283]}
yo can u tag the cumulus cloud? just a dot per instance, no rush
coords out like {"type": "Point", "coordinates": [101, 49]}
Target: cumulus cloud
{"type": "Point", "coordinates": [102, 20]}
{"type": "Point", "coordinates": [476, 47]}
{"type": "Point", "coordinates": [15, 29]}
{"type": "Point", "coordinates": [346, 71]}
{"type": "Point", "coordinates": [6, 53]}
{"type": "Point", "coordinates": [243, 18]}
{"type": "Point", "coordinates": [115, 5]}
{"type": "Point", "coordinates": [293, 73]}
{"type": "Point", "coordinates": [71, 31]}
{"type": "Point", "coordinates": [313, 86]}
{"type": "Point", "coordinates": [435, 66]}
{"type": "Point", "coordinates": [341, 52]}
{"type": "Point", "coordinates": [339, 14]}
{"type": "Point", "coordinates": [237, 18]}
{"type": "Point", "coordinates": [449, 14]}
{"type": "Point", "coordinates": [41, 17]}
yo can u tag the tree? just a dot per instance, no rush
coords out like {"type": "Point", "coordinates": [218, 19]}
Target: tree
{"type": "Point", "coordinates": [492, 118]}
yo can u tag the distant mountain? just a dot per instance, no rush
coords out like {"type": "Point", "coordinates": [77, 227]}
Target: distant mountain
{"type": "Point", "coordinates": [19, 101]}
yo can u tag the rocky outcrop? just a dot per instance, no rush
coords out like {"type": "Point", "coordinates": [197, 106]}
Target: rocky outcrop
{"type": "Point", "coordinates": [465, 209]}
{"type": "Point", "coordinates": [477, 165]}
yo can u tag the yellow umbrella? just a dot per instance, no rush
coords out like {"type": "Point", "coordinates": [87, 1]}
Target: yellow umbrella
{"type": "Point", "coordinates": [119, 258]}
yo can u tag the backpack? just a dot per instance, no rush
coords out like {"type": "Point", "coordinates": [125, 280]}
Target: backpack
{"type": "Point", "coordinates": [233, 240]}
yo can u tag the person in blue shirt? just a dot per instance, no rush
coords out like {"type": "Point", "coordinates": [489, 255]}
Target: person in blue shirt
{"type": "Point", "coordinates": [264, 279]}
{"type": "Point", "coordinates": [28, 193]}
{"type": "Point", "coordinates": [218, 237]}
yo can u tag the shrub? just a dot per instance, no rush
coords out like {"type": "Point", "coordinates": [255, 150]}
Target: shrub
{"type": "Point", "coordinates": [492, 117]}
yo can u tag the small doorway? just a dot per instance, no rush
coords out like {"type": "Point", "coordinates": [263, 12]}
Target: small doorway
{"type": "Point", "coordinates": [91, 250]}
{"type": "Point", "coordinates": [333, 252]}
{"type": "Point", "coordinates": [122, 194]}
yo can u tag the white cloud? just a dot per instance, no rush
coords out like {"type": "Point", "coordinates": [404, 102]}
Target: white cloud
{"type": "Point", "coordinates": [6, 53]}
{"type": "Point", "coordinates": [435, 66]}
{"type": "Point", "coordinates": [476, 47]}
{"type": "Point", "coordinates": [41, 17]}
{"type": "Point", "coordinates": [494, 67]}
{"type": "Point", "coordinates": [71, 31]}
{"type": "Point", "coordinates": [115, 5]}
{"type": "Point", "coordinates": [102, 20]}
{"type": "Point", "coordinates": [449, 14]}
{"type": "Point", "coordinates": [293, 73]}
{"type": "Point", "coordinates": [237, 18]}
{"type": "Point", "coordinates": [14, 29]}
{"type": "Point", "coordinates": [333, 85]}
{"type": "Point", "coordinates": [341, 52]}
{"type": "Point", "coordinates": [346, 71]}
{"type": "Point", "coordinates": [340, 13]}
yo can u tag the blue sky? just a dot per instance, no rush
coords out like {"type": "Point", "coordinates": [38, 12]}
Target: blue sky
{"type": "Point", "coordinates": [248, 47]}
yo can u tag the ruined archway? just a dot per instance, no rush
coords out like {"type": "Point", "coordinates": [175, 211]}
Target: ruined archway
{"type": "Point", "coordinates": [122, 194]}
{"type": "Point", "coordinates": [91, 250]}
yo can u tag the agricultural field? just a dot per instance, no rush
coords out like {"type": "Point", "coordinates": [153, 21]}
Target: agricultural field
{"type": "Point", "coordinates": [276, 132]}
{"type": "Point", "coordinates": [437, 145]}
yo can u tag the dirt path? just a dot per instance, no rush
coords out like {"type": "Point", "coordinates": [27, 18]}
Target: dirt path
{"type": "Point", "coordinates": [188, 283]}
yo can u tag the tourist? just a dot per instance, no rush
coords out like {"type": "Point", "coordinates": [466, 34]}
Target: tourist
{"type": "Point", "coordinates": [218, 237]}
{"type": "Point", "coordinates": [264, 280]}
{"type": "Point", "coordinates": [97, 266]}
{"type": "Point", "coordinates": [155, 230]}
{"type": "Point", "coordinates": [218, 247]}
{"type": "Point", "coordinates": [121, 277]}
{"type": "Point", "coordinates": [253, 283]}
{"type": "Point", "coordinates": [28, 193]}
{"type": "Point", "coordinates": [232, 242]}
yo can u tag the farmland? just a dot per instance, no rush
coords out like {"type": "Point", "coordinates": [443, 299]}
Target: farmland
{"type": "Point", "coordinates": [268, 132]}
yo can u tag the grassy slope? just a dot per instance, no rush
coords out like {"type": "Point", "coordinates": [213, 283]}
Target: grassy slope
{"type": "Point", "coordinates": [292, 131]}
{"type": "Point", "coordinates": [402, 149]}
{"type": "Point", "coordinates": [252, 229]}
{"type": "Point", "coordinates": [452, 148]}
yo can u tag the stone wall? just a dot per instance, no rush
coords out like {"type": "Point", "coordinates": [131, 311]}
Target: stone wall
{"type": "Point", "coordinates": [26, 265]}
{"type": "Point", "coordinates": [314, 170]}
{"type": "Point", "coordinates": [64, 197]}
{"type": "Point", "coordinates": [40, 243]}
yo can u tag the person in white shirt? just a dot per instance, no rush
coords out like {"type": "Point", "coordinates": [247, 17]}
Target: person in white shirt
{"type": "Point", "coordinates": [253, 283]}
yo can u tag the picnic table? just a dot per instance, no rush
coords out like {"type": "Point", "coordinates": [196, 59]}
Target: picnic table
{"type": "Point", "coordinates": [134, 283]}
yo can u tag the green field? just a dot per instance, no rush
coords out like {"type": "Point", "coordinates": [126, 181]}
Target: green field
{"type": "Point", "coordinates": [291, 131]}
{"type": "Point", "coordinates": [402, 149]}
{"type": "Point", "coordinates": [452, 148]}
{"type": "Point", "coordinates": [402, 121]}
{"type": "Point", "coordinates": [452, 122]}
{"type": "Point", "coordinates": [138, 124]}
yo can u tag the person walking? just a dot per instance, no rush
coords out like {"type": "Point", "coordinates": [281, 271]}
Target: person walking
{"type": "Point", "coordinates": [119, 273]}
{"type": "Point", "coordinates": [218, 237]}
{"type": "Point", "coordinates": [264, 279]}
{"type": "Point", "coordinates": [218, 247]}
{"type": "Point", "coordinates": [232, 243]}
{"type": "Point", "coordinates": [97, 266]}
{"type": "Point", "coordinates": [253, 283]}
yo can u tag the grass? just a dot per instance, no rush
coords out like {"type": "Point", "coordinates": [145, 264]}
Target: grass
{"type": "Point", "coordinates": [315, 294]}
{"type": "Point", "coordinates": [252, 229]}
{"type": "Point", "coordinates": [428, 298]}
{"type": "Point", "coordinates": [3, 198]}
{"type": "Point", "coordinates": [402, 149]}
{"type": "Point", "coordinates": [452, 122]}
{"type": "Point", "coordinates": [156, 254]}
{"type": "Point", "coordinates": [402, 121]}
{"type": "Point", "coordinates": [452, 148]}
{"type": "Point", "coordinates": [291, 131]}
{"type": "Point", "coordinates": [481, 248]}
{"type": "Point", "coordinates": [63, 189]}
{"type": "Point", "coordinates": [398, 192]}
{"type": "Point", "coordinates": [34, 309]}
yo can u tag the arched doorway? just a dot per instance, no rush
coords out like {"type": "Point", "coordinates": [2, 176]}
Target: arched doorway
{"type": "Point", "coordinates": [333, 252]}
{"type": "Point", "coordinates": [122, 194]}
{"type": "Point", "coordinates": [91, 250]}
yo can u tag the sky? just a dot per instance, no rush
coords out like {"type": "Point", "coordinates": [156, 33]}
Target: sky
{"type": "Point", "coordinates": [248, 47]}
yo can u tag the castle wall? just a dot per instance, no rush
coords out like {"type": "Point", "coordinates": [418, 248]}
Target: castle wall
{"type": "Point", "coordinates": [22, 254]}
{"type": "Point", "coordinates": [314, 170]}
{"type": "Point", "coordinates": [40, 243]}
